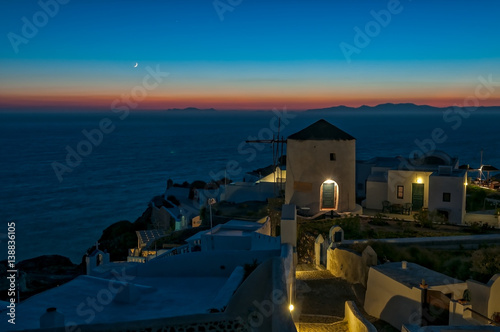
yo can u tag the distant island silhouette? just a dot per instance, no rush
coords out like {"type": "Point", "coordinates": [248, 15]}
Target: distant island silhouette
{"type": "Point", "coordinates": [191, 109]}
{"type": "Point", "coordinates": [386, 107]}
{"type": "Point", "coordinates": [389, 107]}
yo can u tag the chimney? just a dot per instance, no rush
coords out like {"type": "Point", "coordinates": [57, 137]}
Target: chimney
{"type": "Point", "coordinates": [404, 265]}
{"type": "Point", "coordinates": [51, 319]}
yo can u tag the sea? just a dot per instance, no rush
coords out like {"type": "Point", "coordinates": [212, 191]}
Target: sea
{"type": "Point", "coordinates": [67, 176]}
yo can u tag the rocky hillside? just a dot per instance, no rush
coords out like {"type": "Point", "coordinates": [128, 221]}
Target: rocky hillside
{"type": "Point", "coordinates": [39, 274]}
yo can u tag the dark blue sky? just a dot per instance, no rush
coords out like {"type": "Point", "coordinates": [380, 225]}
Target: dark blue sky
{"type": "Point", "coordinates": [90, 47]}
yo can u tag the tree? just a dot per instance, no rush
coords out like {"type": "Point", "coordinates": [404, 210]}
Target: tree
{"type": "Point", "coordinates": [486, 262]}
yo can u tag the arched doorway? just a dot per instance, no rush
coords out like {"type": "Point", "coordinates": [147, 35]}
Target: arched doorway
{"type": "Point", "coordinates": [98, 260]}
{"type": "Point", "coordinates": [329, 195]}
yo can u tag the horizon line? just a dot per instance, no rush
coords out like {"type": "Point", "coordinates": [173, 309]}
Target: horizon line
{"type": "Point", "coordinates": [80, 108]}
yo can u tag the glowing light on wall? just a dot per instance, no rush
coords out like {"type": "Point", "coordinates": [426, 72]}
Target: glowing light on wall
{"type": "Point", "coordinates": [419, 180]}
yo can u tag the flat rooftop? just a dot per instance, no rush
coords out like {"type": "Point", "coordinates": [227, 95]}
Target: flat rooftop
{"type": "Point", "coordinates": [160, 297]}
{"type": "Point", "coordinates": [413, 274]}
{"type": "Point", "coordinates": [231, 228]}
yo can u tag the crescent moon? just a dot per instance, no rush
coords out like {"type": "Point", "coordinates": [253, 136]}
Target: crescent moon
{"type": "Point", "coordinates": [136, 64]}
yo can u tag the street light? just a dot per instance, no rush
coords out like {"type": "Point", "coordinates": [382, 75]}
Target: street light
{"type": "Point", "coordinates": [211, 201]}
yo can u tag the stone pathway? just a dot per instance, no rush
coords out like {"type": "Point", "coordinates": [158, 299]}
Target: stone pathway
{"type": "Point", "coordinates": [320, 293]}
{"type": "Point", "coordinates": [320, 301]}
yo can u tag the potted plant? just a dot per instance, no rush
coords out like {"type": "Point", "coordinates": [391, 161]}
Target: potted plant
{"type": "Point", "coordinates": [465, 297]}
{"type": "Point", "coordinates": [496, 317]}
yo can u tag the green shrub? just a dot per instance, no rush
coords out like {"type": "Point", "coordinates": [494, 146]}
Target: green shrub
{"type": "Point", "coordinates": [475, 197]}
{"type": "Point", "coordinates": [427, 219]}
{"type": "Point", "coordinates": [351, 226]}
{"type": "Point", "coordinates": [378, 220]}
{"type": "Point", "coordinates": [371, 234]}
{"type": "Point", "coordinates": [486, 263]}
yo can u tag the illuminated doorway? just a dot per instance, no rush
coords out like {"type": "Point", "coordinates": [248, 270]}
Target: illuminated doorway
{"type": "Point", "coordinates": [329, 195]}
{"type": "Point", "coordinates": [417, 195]}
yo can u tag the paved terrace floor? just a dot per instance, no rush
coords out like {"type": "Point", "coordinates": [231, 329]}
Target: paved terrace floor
{"type": "Point", "coordinates": [320, 302]}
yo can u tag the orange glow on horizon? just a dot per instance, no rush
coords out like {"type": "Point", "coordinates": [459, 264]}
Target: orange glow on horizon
{"type": "Point", "coordinates": [231, 101]}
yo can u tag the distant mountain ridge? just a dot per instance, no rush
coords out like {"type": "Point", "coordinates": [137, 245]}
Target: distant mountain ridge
{"type": "Point", "coordinates": [389, 107]}
{"type": "Point", "coordinates": [386, 107]}
{"type": "Point", "coordinates": [191, 109]}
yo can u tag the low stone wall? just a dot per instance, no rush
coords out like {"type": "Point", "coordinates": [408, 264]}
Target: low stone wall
{"type": "Point", "coordinates": [216, 263]}
{"type": "Point", "coordinates": [489, 219]}
{"type": "Point", "coordinates": [484, 297]}
{"type": "Point", "coordinates": [349, 265]}
{"type": "Point", "coordinates": [443, 242]}
{"type": "Point", "coordinates": [355, 320]}
{"type": "Point", "coordinates": [261, 302]}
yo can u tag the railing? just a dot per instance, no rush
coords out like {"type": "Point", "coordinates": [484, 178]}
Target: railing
{"type": "Point", "coordinates": [483, 316]}
{"type": "Point", "coordinates": [200, 322]}
{"type": "Point", "coordinates": [184, 249]}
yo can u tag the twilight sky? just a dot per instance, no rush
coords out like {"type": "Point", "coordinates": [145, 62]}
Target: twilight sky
{"type": "Point", "coordinates": [246, 54]}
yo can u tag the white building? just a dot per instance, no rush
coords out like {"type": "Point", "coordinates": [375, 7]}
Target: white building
{"type": "Point", "coordinates": [433, 182]}
{"type": "Point", "coordinates": [258, 185]}
{"type": "Point", "coordinates": [407, 293]}
{"type": "Point", "coordinates": [268, 174]}
{"type": "Point", "coordinates": [320, 169]}
{"type": "Point", "coordinates": [485, 298]}
{"type": "Point", "coordinates": [236, 235]}
{"type": "Point", "coordinates": [200, 291]}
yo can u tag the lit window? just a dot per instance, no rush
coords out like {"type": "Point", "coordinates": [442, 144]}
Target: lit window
{"type": "Point", "coordinates": [446, 197]}
{"type": "Point", "coordinates": [401, 192]}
